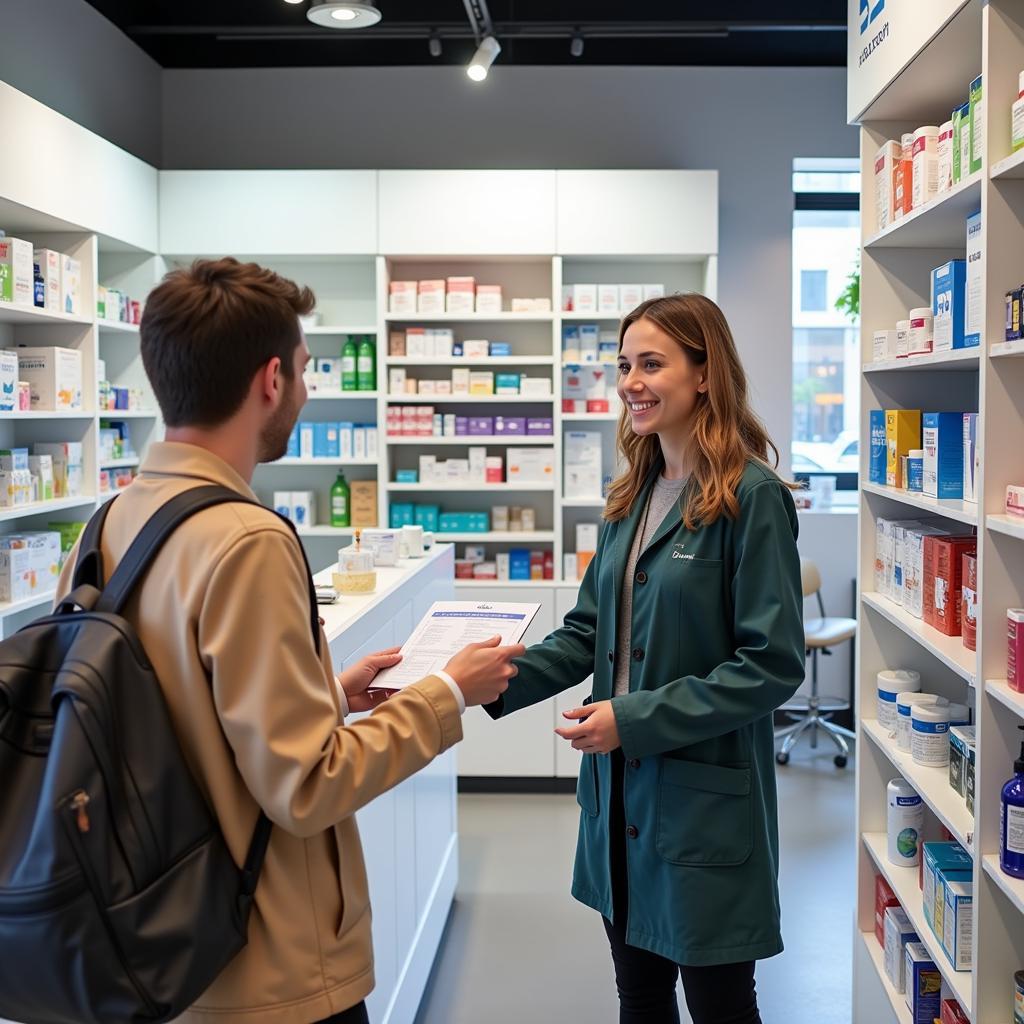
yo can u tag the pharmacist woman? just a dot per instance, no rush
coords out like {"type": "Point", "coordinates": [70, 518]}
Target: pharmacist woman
{"type": "Point", "coordinates": [690, 620]}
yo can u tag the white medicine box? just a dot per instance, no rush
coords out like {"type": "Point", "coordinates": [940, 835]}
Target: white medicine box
{"type": "Point", "coordinates": [608, 299]}
{"type": "Point", "coordinates": [71, 285]}
{"type": "Point", "coordinates": [8, 380]}
{"type": "Point", "coordinates": [16, 271]}
{"type": "Point", "coordinates": [50, 266]}
{"type": "Point", "coordinates": [54, 376]}
{"type": "Point", "coordinates": [584, 298]}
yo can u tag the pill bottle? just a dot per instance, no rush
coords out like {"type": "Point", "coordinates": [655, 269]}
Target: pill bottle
{"type": "Point", "coordinates": [929, 735]}
{"type": "Point", "coordinates": [890, 684]}
{"type": "Point", "coordinates": [904, 823]}
{"type": "Point", "coordinates": [904, 702]}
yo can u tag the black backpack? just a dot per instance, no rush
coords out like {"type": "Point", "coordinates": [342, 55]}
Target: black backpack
{"type": "Point", "coordinates": [119, 900]}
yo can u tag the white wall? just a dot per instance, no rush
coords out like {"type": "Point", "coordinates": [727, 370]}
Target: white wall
{"type": "Point", "coordinates": [748, 123]}
{"type": "Point", "coordinates": [65, 54]}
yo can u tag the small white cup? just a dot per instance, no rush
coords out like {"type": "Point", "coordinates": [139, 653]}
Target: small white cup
{"type": "Point", "coordinates": [412, 541]}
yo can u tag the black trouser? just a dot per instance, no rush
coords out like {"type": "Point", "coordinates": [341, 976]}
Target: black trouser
{"type": "Point", "coordinates": [647, 982]}
{"type": "Point", "coordinates": [353, 1015]}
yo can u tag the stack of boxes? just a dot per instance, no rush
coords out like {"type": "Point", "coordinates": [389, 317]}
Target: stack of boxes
{"type": "Point", "coordinates": [467, 383]}
{"type": "Point", "coordinates": [576, 562]}
{"type": "Point", "coordinates": [426, 421]}
{"type": "Point", "coordinates": [947, 872]}
{"type": "Point", "coordinates": [587, 343]}
{"type": "Point", "coordinates": [440, 343]}
{"type": "Point", "coordinates": [341, 441]}
{"type": "Point", "coordinates": [613, 300]}
{"type": "Point", "coordinates": [582, 465]}
{"type": "Point", "coordinates": [39, 277]}
{"type": "Point", "coordinates": [53, 376]}
{"type": "Point", "coordinates": [478, 468]}
{"type": "Point", "coordinates": [301, 506]}
{"type": "Point", "coordinates": [589, 388]}
{"type": "Point", "coordinates": [112, 304]}
{"type": "Point", "coordinates": [455, 295]}
{"type": "Point", "coordinates": [519, 564]}
{"type": "Point", "coordinates": [51, 471]}
{"type": "Point", "coordinates": [29, 564]}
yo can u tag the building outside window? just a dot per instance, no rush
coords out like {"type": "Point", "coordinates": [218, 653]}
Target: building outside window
{"type": "Point", "coordinates": [826, 341]}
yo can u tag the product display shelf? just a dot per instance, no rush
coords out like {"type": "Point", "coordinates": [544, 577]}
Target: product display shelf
{"type": "Point", "coordinates": [961, 511]}
{"type": "Point", "coordinates": [1001, 691]}
{"type": "Point", "coordinates": [904, 885]}
{"type": "Point", "coordinates": [129, 414]}
{"type": "Point", "coordinates": [1010, 168]}
{"type": "Point", "coordinates": [937, 224]}
{"type": "Point", "coordinates": [338, 396]}
{"type": "Point", "coordinates": [116, 327]}
{"type": "Point", "coordinates": [897, 999]}
{"type": "Point", "coordinates": [62, 414]}
{"type": "Point", "coordinates": [1012, 526]}
{"type": "Point", "coordinates": [1013, 888]}
{"type": "Point", "coordinates": [956, 359]}
{"type": "Point", "coordinates": [465, 487]}
{"type": "Point", "coordinates": [471, 400]}
{"type": "Point", "coordinates": [333, 329]}
{"type": "Point", "coordinates": [28, 315]}
{"type": "Point", "coordinates": [590, 417]}
{"type": "Point", "coordinates": [119, 463]}
{"type": "Point", "coordinates": [507, 584]}
{"type": "Point", "coordinates": [931, 783]}
{"type": "Point", "coordinates": [596, 317]}
{"type": "Point", "coordinates": [469, 318]}
{"type": "Point", "coordinates": [325, 531]}
{"type": "Point", "coordinates": [287, 461]}
{"type": "Point", "coordinates": [1007, 349]}
{"type": "Point", "coordinates": [584, 502]}
{"type": "Point", "coordinates": [497, 536]}
{"type": "Point", "coordinates": [39, 508]}
{"type": "Point", "coordinates": [8, 608]}
{"type": "Point", "coordinates": [472, 440]}
{"type": "Point", "coordinates": [470, 363]}
{"type": "Point", "coordinates": [948, 649]}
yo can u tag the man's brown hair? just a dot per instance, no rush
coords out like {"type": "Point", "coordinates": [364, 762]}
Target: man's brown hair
{"type": "Point", "coordinates": [209, 328]}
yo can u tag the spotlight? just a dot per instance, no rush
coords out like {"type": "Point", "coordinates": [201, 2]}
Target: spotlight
{"type": "Point", "coordinates": [294, 1]}
{"type": "Point", "coordinates": [435, 46]}
{"type": "Point", "coordinates": [344, 14]}
{"type": "Point", "coordinates": [488, 49]}
{"type": "Point", "coordinates": [576, 45]}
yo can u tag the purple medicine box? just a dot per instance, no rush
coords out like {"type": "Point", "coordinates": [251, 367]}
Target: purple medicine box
{"type": "Point", "coordinates": [461, 425]}
{"type": "Point", "coordinates": [481, 426]}
{"type": "Point", "coordinates": [540, 426]}
{"type": "Point", "coordinates": [510, 425]}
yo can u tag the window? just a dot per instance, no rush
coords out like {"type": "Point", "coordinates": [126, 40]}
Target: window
{"type": "Point", "coordinates": [812, 290]}
{"type": "Point", "coordinates": [826, 345]}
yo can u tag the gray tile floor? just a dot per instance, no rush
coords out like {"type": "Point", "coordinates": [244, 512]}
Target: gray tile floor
{"type": "Point", "coordinates": [519, 949]}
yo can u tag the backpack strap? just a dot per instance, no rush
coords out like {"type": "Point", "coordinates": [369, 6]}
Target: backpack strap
{"type": "Point", "coordinates": [89, 566]}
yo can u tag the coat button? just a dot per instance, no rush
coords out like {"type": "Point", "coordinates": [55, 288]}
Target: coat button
{"type": "Point", "coordinates": [632, 831]}
{"type": "Point", "coordinates": [634, 762]}
{"type": "Point", "coordinates": [638, 654]}
{"type": "Point", "coordinates": [611, 655]}
{"type": "Point", "coordinates": [641, 577]}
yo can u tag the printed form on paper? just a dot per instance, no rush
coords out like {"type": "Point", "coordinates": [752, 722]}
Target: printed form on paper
{"type": "Point", "coordinates": [448, 627]}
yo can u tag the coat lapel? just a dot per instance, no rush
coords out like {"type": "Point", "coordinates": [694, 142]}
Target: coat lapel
{"type": "Point", "coordinates": [624, 534]}
{"type": "Point", "coordinates": [672, 519]}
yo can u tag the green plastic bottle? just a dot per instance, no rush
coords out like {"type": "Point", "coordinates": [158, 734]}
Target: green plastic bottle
{"type": "Point", "coordinates": [366, 365]}
{"type": "Point", "coordinates": [348, 365]}
{"type": "Point", "coordinates": [341, 514]}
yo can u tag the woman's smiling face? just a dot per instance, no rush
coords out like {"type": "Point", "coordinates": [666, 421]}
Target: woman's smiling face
{"type": "Point", "coordinates": [657, 380]}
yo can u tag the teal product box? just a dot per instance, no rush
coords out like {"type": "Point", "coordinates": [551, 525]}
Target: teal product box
{"type": "Point", "coordinates": [407, 476]}
{"type": "Point", "coordinates": [506, 382]}
{"type": "Point", "coordinates": [519, 564]}
{"type": "Point", "coordinates": [942, 441]}
{"type": "Point", "coordinates": [957, 924]}
{"type": "Point", "coordinates": [426, 516]}
{"type": "Point", "coordinates": [939, 858]}
{"type": "Point", "coordinates": [924, 984]}
{"type": "Point", "coordinates": [500, 349]}
{"type": "Point", "coordinates": [876, 467]}
{"type": "Point", "coordinates": [402, 515]}
{"type": "Point", "coordinates": [293, 444]}
{"type": "Point", "coordinates": [451, 522]}
{"type": "Point", "coordinates": [948, 306]}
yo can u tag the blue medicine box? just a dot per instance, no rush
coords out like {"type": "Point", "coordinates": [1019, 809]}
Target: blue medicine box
{"type": "Point", "coordinates": [407, 476]}
{"type": "Point", "coordinates": [949, 305]}
{"type": "Point", "coordinates": [427, 516]}
{"type": "Point", "coordinates": [293, 443]}
{"type": "Point", "coordinates": [402, 515]}
{"type": "Point", "coordinates": [500, 348]}
{"type": "Point", "coordinates": [519, 564]}
{"type": "Point", "coordinates": [942, 435]}
{"type": "Point", "coordinates": [320, 440]}
{"type": "Point", "coordinates": [876, 469]}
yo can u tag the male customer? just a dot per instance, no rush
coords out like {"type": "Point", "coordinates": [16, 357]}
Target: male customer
{"type": "Point", "coordinates": [224, 617]}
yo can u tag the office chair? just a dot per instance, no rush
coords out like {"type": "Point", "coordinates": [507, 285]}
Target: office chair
{"type": "Point", "coordinates": [809, 714]}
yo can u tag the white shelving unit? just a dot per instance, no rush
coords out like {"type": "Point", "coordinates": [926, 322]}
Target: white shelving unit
{"type": "Point", "coordinates": [968, 38]}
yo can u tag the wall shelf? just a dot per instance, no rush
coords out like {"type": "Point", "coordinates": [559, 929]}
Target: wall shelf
{"type": "Point", "coordinates": [469, 318]}
{"type": "Point", "coordinates": [1001, 691]}
{"type": "Point", "coordinates": [1009, 169]}
{"type": "Point", "coordinates": [962, 511]}
{"type": "Point", "coordinates": [469, 363]}
{"type": "Point", "coordinates": [9, 608]}
{"type": "Point", "coordinates": [471, 440]}
{"type": "Point", "coordinates": [25, 316]}
{"type": "Point", "coordinates": [956, 359]}
{"type": "Point", "coordinates": [506, 487]}
{"type": "Point", "coordinates": [940, 224]}
{"type": "Point", "coordinates": [40, 508]}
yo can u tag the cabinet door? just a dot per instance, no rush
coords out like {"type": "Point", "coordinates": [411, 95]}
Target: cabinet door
{"type": "Point", "coordinates": [268, 213]}
{"type": "Point", "coordinates": [522, 744]}
{"type": "Point", "coordinates": [467, 212]}
{"type": "Point", "coordinates": [567, 760]}
{"type": "Point", "coordinates": [638, 213]}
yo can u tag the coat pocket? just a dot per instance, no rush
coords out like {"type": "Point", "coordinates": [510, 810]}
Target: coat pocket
{"type": "Point", "coordinates": [705, 814]}
{"type": "Point", "coordinates": [586, 784]}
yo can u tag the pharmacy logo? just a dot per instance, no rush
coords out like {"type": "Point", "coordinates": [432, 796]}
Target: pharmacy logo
{"type": "Point", "coordinates": [869, 13]}
{"type": "Point", "coordinates": [679, 552]}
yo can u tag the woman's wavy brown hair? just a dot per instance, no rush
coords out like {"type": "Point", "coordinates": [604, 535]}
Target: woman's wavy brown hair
{"type": "Point", "coordinates": [724, 430]}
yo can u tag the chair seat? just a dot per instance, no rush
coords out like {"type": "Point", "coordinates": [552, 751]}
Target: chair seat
{"type": "Point", "coordinates": [828, 631]}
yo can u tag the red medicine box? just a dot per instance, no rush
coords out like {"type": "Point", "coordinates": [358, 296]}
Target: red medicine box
{"type": "Point", "coordinates": [943, 580]}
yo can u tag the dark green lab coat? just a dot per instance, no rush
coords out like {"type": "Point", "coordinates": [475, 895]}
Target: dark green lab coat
{"type": "Point", "coordinates": [717, 644]}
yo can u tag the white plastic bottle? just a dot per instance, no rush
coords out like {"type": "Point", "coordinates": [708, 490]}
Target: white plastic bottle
{"type": "Point", "coordinates": [904, 704]}
{"type": "Point", "coordinates": [929, 734]}
{"type": "Point", "coordinates": [904, 823]}
{"type": "Point", "coordinates": [890, 684]}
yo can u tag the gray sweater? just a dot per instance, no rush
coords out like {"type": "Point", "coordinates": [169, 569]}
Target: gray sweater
{"type": "Point", "coordinates": [664, 495]}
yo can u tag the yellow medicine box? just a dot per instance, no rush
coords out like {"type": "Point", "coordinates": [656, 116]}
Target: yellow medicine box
{"type": "Point", "coordinates": [902, 434]}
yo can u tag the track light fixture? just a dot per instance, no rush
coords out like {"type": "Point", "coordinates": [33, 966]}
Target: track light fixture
{"type": "Point", "coordinates": [576, 45]}
{"type": "Point", "coordinates": [343, 14]}
{"type": "Point", "coordinates": [486, 52]}
{"type": "Point", "coordinates": [435, 45]}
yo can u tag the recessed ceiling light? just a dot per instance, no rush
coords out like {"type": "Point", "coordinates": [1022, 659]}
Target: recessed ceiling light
{"type": "Point", "coordinates": [344, 14]}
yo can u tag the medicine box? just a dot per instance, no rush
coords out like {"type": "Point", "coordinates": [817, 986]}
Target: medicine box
{"type": "Point", "coordinates": [970, 440]}
{"type": "Point", "coordinates": [506, 383]}
{"type": "Point", "coordinates": [71, 285]}
{"type": "Point", "coordinates": [8, 380]}
{"type": "Point", "coordinates": [590, 342]}
{"type": "Point", "coordinates": [16, 278]}
{"type": "Point", "coordinates": [499, 349]}
{"type": "Point", "coordinates": [586, 537]}
{"type": "Point", "coordinates": [476, 349]}
{"type": "Point", "coordinates": [67, 466]}
{"type": "Point", "coordinates": [902, 433]}
{"type": "Point", "coordinates": [488, 298]}
{"type": "Point", "coordinates": [584, 298]}
{"type": "Point", "coordinates": [654, 291]}
{"type": "Point", "coordinates": [530, 465]}
{"type": "Point", "coordinates": [582, 464]}
{"type": "Point", "coordinates": [307, 435]}
{"type": "Point", "coordinates": [364, 503]}
{"type": "Point", "coordinates": [957, 925]}
{"type": "Point", "coordinates": [430, 297]}
{"type": "Point", "coordinates": [876, 466]}
{"type": "Point", "coordinates": [292, 451]}
{"type": "Point", "coordinates": [948, 294]}
{"type": "Point", "coordinates": [303, 508]}
{"type": "Point", "coordinates": [884, 345]}
{"type": "Point", "coordinates": [942, 441]}
{"type": "Point", "coordinates": [461, 294]}
{"type": "Point", "coordinates": [961, 739]}
{"type": "Point", "coordinates": [402, 297]}
{"type": "Point", "coordinates": [939, 857]}
{"type": "Point", "coordinates": [943, 579]}
{"type": "Point", "coordinates": [974, 295]}
{"type": "Point", "coordinates": [50, 266]}
{"type": "Point", "coordinates": [630, 296]}
{"type": "Point", "coordinates": [283, 503]}
{"type": "Point", "coordinates": [16, 579]}
{"type": "Point", "coordinates": [510, 426]}
{"type": "Point", "coordinates": [571, 344]}
{"type": "Point", "coordinates": [535, 387]}
{"type": "Point", "coordinates": [977, 116]}
{"type": "Point", "coordinates": [886, 163]}
{"type": "Point", "coordinates": [481, 382]}
{"type": "Point", "coordinates": [923, 984]}
{"type": "Point", "coordinates": [54, 375]}
{"type": "Point", "coordinates": [898, 932]}
{"type": "Point", "coordinates": [608, 299]}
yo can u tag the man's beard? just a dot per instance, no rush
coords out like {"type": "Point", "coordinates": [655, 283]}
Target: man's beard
{"type": "Point", "coordinates": [275, 435]}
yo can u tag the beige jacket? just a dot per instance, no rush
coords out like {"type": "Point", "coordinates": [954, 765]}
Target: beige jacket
{"type": "Point", "coordinates": [224, 616]}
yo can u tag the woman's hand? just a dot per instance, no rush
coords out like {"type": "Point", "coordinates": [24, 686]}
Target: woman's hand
{"type": "Point", "coordinates": [356, 679]}
{"type": "Point", "coordinates": [596, 733]}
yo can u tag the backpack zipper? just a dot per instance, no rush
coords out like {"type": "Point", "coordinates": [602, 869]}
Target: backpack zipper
{"type": "Point", "coordinates": [79, 804]}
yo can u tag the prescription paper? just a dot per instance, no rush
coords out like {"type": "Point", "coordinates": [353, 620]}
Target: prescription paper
{"type": "Point", "coordinates": [449, 626]}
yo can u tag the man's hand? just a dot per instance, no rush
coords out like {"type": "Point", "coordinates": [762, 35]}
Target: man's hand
{"type": "Point", "coordinates": [596, 733]}
{"type": "Point", "coordinates": [356, 679]}
{"type": "Point", "coordinates": [482, 671]}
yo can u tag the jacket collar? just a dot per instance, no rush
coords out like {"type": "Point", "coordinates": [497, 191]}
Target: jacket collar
{"type": "Point", "coordinates": [175, 459]}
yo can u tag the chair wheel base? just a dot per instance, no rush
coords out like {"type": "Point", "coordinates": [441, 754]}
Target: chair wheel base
{"type": "Point", "coordinates": [839, 760]}
{"type": "Point", "coordinates": [782, 758]}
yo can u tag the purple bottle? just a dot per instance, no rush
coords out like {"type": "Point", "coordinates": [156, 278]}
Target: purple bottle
{"type": "Point", "coordinates": [1011, 820]}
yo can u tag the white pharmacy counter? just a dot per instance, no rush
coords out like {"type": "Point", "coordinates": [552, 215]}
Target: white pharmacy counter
{"type": "Point", "coordinates": [409, 834]}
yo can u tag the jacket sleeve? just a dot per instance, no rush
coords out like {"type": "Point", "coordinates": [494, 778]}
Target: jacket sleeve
{"type": "Point", "coordinates": [274, 696]}
{"type": "Point", "coordinates": [768, 666]}
{"type": "Point", "coordinates": [564, 657]}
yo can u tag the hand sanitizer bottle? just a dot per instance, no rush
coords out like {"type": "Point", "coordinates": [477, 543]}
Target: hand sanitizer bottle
{"type": "Point", "coordinates": [1011, 820]}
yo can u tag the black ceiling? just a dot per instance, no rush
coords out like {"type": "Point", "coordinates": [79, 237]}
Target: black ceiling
{"type": "Point", "coordinates": [272, 33]}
